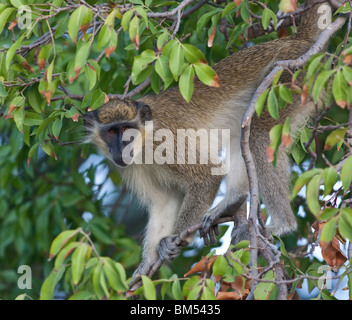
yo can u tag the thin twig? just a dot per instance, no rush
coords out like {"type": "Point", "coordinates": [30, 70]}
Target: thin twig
{"type": "Point", "coordinates": [246, 123]}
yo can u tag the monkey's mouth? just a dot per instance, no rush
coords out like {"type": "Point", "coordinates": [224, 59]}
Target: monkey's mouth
{"type": "Point", "coordinates": [123, 161]}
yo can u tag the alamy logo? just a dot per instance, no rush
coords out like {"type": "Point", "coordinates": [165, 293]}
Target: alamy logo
{"type": "Point", "coordinates": [324, 282]}
{"type": "Point", "coordinates": [24, 17]}
{"type": "Point", "coordinates": [324, 20]}
{"type": "Point", "coordinates": [25, 280]}
{"type": "Point", "coordinates": [189, 146]}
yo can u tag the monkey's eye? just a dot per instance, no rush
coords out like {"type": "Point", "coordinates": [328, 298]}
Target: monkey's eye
{"type": "Point", "coordinates": [112, 131]}
{"type": "Point", "coordinates": [125, 129]}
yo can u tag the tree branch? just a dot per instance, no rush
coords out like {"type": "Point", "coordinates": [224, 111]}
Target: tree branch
{"type": "Point", "coordinates": [246, 124]}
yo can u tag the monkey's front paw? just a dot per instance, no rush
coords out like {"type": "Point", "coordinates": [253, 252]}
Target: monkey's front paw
{"type": "Point", "coordinates": [168, 249]}
{"type": "Point", "coordinates": [209, 230]}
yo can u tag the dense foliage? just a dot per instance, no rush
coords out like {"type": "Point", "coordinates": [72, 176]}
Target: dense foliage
{"type": "Point", "coordinates": [61, 58]}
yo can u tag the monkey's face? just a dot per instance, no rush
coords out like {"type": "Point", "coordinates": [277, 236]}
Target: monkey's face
{"type": "Point", "coordinates": [117, 129]}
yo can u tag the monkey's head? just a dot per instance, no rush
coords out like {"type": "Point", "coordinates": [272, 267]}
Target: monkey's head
{"type": "Point", "coordinates": [117, 129]}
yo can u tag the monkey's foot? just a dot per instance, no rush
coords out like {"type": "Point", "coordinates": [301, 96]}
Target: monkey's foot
{"type": "Point", "coordinates": [209, 235]}
{"type": "Point", "coordinates": [135, 283]}
{"type": "Point", "coordinates": [209, 230]}
{"type": "Point", "coordinates": [168, 249]}
{"type": "Point", "coordinates": [143, 269]}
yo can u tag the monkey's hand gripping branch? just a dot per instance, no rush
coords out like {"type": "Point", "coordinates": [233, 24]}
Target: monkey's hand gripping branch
{"type": "Point", "coordinates": [178, 241]}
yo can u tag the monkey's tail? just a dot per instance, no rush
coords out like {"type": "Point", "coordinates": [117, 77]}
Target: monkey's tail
{"type": "Point", "coordinates": [314, 21]}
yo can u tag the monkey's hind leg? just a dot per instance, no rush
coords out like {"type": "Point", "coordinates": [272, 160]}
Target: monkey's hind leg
{"type": "Point", "coordinates": [236, 193]}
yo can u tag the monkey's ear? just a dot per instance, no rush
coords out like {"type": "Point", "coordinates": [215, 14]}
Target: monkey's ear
{"type": "Point", "coordinates": [145, 112]}
{"type": "Point", "coordinates": [89, 118]}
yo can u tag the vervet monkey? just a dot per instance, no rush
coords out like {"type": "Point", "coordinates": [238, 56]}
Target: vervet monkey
{"type": "Point", "coordinates": [179, 195]}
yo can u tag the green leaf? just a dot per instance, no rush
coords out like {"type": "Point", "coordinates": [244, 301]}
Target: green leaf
{"type": "Point", "coordinates": [64, 254]}
{"type": "Point", "coordinates": [82, 55]}
{"type": "Point", "coordinates": [113, 275]}
{"type": "Point", "coordinates": [312, 195]}
{"type": "Point", "coordinates": [186, 83]}
{"type": "Point", "coordinates": [265, 18]}
{"type": "Point", "coordinates": [60, 241]}
{"type": "Point", "coordinates": [104, 36]}
{"type": "Point", "coordinates": [79, 257]}
{"type": "Point", "coordinates": [273, 105]}
{"type": "Point", "coordinates": [206, 74]}
{"type": "Point", "coordinates": [176, 290]}
{"type": "Point", "coordinates": [320, 82]}
{"type": "Point", "coordinates": [99, 282]}
{"type": "Point", "coordinates": [134, 31]}
{"type": "Point", "coordinates": [330, 177]}
{"type": "Point", "coordinates": [176, 60]}
{"type": "Point", "coordinates": [192, 53]}
{"type": "Point", "coordinates": [244, 12]}
{"type": "Point", "coordinates": [286, 129]}
{"type": "Point", "coordinates": [228, 8]}
{"type": "Point", "coordinates": [285, 94]}
{"type": "Point", "coordinates": [21, 297]}
{"type": "Point", "coordinates": [329, 230]}
{"type": "Point", "coordinates": [76, 21]}
{"type": "Point", "coordinates": [347, 73]}
{"type": "Point", "coordinates": [204, 19]}
{"type": "Point", "coordinates": [141, 62]}
{"type": "Point", "coordinates": [346, 174]}
{"type": "Point", "coordinates": [163, 70]}
{"type": "Point", "coordinates": [98, 99]}
{"type": "Point", "coordinates": [3, 92]}
{"type": "Point", "coordinates": [346, 8]}
{"type": "Point", "coordinates": [189, 285]}
{"type": "Point", "coordinates": [303, 179]}
{"type": "Point", "coordinates": [32, 150]}
{"type": "Point", "coordinates": [122, 273]}
{"type": "Point", "coordinates": [18, 117]}
{"type": "Point", "coordinates": [81, 295]}
{"type": "Point", "coordinates": [155, 82]}
{"type": "Point", "coordinates": [339, 89]}
{"type": "Point", "coordinates": [313, 65]}
{"type": "Point", "coordinates": [91, 75]}
{"type": "Point", "coordinates": [328, 213]}
{"type": "Point", "coordinates": [143, 14]}
{"type": "Point", "coordinates": [259, 105]}
{"type": "Point", "coordinates": [305, 135]}
{"type": "Point", "coordinates": [17, 3]}
{"type": "Point", "coordinates": [126, 18]}
{"type": "Point", "coordinates": [148, 288]}
{"type": "Point", "coordinates": [334, 137]}
{"type": "Point", "coordinates": [4, 15]}
{"type": "Point", "coordinates": [48, 148]}
{"type": "Point", "coordinates": [32, 119]}
{"type": "Point", "coordinates": [168, 47]}
{"type": "Point", "coordinates": [264, 289]}
{"type": "Point", "coordinates": [194, 293]}
{"type": "Point", "coordinates": [275, 135]}
{"type": "Point", "coordinates": [49, 72]}
{"type": "Point", "coordinates": [56, 127]}
{"type": "Point", "coordinates": [220, 266]}
{"type": "Point", "coordinates": [207, 294]}
{"type": "Point", "coordinates": [345, 223]}
{"type": "Point", "coordinates": [11, 52]}
{"type": "Point", "coordinates": [62, 26]}
{"type": "Point", "coordinates": [49, 284]}
{"type": "Point", "coordinates": [162, 38]}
